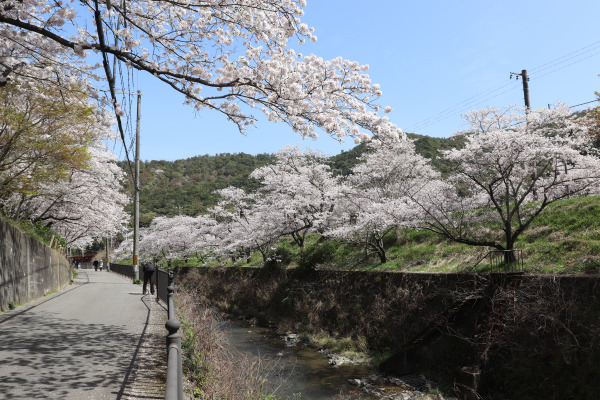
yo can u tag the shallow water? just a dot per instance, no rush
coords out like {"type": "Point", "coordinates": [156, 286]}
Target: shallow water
{"type": "Point", "coordinates": [310, 373]}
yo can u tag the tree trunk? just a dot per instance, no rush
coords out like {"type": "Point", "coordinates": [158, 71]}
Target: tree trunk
{"type": "Point", "coordinates": [377, 245]}
{"type": "Point", "coordinates": [382, 256]}
{"type": "Point", "coordinates": [264, 255]}
{"type": "Point", "coordinates": [509, 254]}
{"type": "Point", "coordinates": [299, 239]}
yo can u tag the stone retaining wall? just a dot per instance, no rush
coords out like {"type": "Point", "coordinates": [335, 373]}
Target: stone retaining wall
{"type": "Point", "coordinates": [28, 269]}
{"type": "Point", "coordinates": [521, 336]}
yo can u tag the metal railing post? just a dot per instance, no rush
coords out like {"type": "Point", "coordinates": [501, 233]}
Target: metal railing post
{"type": "Point", "coordinates": [156, 281]}
{"type": "Point", "coordinates": [174, 386]}
{"type": "Point", "coordinates": [170, 294]}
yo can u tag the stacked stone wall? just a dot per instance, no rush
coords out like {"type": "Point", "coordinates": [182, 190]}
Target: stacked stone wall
{"type": "Point", "coordinates": [498, 336]}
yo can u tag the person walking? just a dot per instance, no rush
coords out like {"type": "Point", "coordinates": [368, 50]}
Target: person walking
{"type": "Point", "coordinates": [149, 269]}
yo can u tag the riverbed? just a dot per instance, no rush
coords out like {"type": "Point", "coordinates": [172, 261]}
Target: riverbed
{"type": "Point", "coordinates": [307, 371]}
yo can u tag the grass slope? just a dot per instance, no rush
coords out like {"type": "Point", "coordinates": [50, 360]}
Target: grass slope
{"type": "Point", "coordinates": [565, 238]}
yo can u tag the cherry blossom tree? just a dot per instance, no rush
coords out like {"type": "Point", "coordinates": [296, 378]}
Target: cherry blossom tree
{"type": "Point", "coordinates": [229, 56]}
{"type": "Point", "coordinates": [378, 198]}
{"type": "Point", "coordinates": [85, 205]}
{"type": "Point", "coordinates": [514, 164]}
{"type": "Point", "coordinates": [167, 237]}
{"type": "Point", "coordinates": [178, 237]}
{"type": "Point", "coordinates": [44, 135]}
{"type": "Point", "coordinates": [245, 224]}
{"type": "Point", "coordinates": [301, 191]}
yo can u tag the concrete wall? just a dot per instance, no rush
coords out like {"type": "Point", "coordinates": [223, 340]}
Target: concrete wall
{"type": "Point", "coordinates": [28, 269]}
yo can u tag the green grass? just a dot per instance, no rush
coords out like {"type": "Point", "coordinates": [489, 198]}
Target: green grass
{"type": "Point", "coordinates": [37, 231]}
{"type": "Point", "coordinates": [564, 238]}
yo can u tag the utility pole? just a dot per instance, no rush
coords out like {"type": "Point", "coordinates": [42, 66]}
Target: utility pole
{"type": "Point", "coordinates": [108, 246]}
{"type": "Point", "coordinates": [525, 80]}
{"type": "Point", "coordinates": [136, 195]}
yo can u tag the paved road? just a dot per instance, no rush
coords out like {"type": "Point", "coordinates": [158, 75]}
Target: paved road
{"type": "Point", "coordinates": [81, 343]}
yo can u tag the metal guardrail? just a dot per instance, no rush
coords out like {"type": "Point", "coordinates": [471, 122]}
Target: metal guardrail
{"type": "Point", "coordinates": [161, 278]}
{"type": "Point", "coordinates": [123, 269]}
{"type": "Point", "coordinates": [502, 261]}
{"type": "Point", "coordinates": [165, 291]}
{"type": "Point", "coordinates": [174, 386]}
{"type": "Point", "coordinates": [506, 260]}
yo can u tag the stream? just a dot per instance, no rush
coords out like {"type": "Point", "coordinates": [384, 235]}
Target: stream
{"type": "Point", "coordinates": [310, 373]}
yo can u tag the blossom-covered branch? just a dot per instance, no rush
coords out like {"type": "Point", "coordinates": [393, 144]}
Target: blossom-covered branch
{"type": "Point", "coordinates": [233, 57]}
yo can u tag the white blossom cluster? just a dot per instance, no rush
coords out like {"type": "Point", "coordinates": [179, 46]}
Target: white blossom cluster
{"type": "Point", "coordinates": [513, 164]}
{"type": "Point", "coordinates": [86, 205]}
{"type": "Point", "coordinates": [55, 167]}
{"type": "Point", "coordinates": [231, 57]}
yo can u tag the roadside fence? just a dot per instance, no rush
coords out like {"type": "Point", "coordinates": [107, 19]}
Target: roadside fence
{"type": "Point", "coordinates": [174, 389]}
{"type": "Point", "coordinates": [165, 291]}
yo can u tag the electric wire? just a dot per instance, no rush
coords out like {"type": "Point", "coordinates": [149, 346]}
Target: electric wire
{"type": "Point", "coordinates": [582, 104]}
{"type": "Point", "coordinates": [566, 57]}
{"type": "Point", "coordinates": [470, 102]}
{"type": "Point", "coordinates": [451, 110]}
{"type": "Point", "coordinates": [464, 106]}
{"type": "Point", "coordinates": [565, 66]}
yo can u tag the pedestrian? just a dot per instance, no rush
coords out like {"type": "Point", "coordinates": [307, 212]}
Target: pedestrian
{"type": "Point", "coordinates": [96, 265]}
{"type": "Point", "coordinates": [149, 268]}
{"type": "Point", "coordinates": [101, 265]}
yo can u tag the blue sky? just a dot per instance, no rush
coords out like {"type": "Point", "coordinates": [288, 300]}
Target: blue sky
{"type": "Point", "coordinates": [433, 59]}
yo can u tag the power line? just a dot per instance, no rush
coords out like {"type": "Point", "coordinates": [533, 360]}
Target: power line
{"type": "Point", "coordinates": [547, 65]}
{"type": "Point", "coordinates": [568, 65]}
{"type": "Point", "coordinates": [582, 104]}
{"type": "Point", "coordinates": [463, 105]}
{"type": "Point", "coordinates": [576, 105]}
{"type": "Point", "coordinates": [471, 101]}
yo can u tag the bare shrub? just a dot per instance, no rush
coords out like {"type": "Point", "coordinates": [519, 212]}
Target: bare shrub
{"type": "Point", "coordinates": [549, 333]}
{"type": "Point", "coordinates": [213, 370]}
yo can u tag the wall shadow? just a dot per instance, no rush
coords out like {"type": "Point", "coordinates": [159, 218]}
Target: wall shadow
{"type": "Point", "coordinates": [58, 358]}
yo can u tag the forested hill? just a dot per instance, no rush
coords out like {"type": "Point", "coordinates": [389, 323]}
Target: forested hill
{"type": "Point", "coordinates": [186, 186]}
{"type": "Point", "coordinates": [427, 146]}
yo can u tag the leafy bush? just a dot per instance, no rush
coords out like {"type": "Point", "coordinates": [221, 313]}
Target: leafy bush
{"type": "Point", "coordinates": [37, 231]}
{"type": "Point", "coordinates": [591, 266]}
{"type": "Point", "coordinates": [279, 257]}
{"type": "Point", "coordinates": [318, 254]}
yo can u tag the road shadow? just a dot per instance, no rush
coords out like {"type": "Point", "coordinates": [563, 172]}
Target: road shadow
{"type": "Point", "coordinates": [58, 358]}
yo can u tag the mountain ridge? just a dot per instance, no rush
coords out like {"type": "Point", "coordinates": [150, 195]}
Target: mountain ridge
{"type": "Point", "coordinates": [186, 186]}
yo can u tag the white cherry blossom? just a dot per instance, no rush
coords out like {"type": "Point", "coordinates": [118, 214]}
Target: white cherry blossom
{"type": "Point", "coordinates": [231, 57]}
{"type": "Point", "coordinates": [378, 197]}
{"type": "Point", "coordinates": [513, 165]}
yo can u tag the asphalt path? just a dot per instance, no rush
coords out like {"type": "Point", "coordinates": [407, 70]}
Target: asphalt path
{"type": "Point", "coordinates": [80, 343]}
